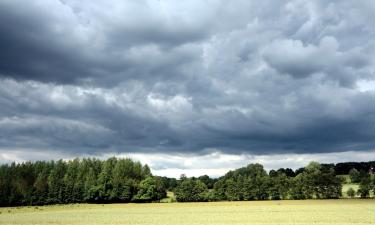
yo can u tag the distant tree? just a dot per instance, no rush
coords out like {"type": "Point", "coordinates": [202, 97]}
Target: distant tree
{"type": "Point", "coordinates": [232, 192]}
{"type": "Point", "coordinates": [365, 186]}
{"type": "Point", "coordinates": [350, 192]}
{"type": "Point", "coordinates": [298, 188]}
{"type": "Point", "coordinates": [248, 189]}
{"type": "Point", "coordinates": [56, 185]}
{"type": "Point", "coordinates": [288, 172]}
{"type": "Point", "coordinates": [247, 183]}
{"type": "Point", "coordinates": [364, 192]}
{"type": "Point", "coordinates": [73, 187]}
{"type": "Point", "coordinates": [208, 181]}
{"type": "Point", "coordinates": [183, 177]}
{"type": "Point", "coordinates": [105, 181]}
{"type": "Point", "coordinates": [146, 171]}
{"type": "Point", "coordinates": [91, 192]}
{"type": "Point", "coordinates": [136, 170]}
{"type": "Point", "coordinates": [322, 181]}
{"type": "Point", "coordinates": [150, 189]}
{"type": "Point", "coordinates": [279, 186]}
{"type": "Point", "coordinates": [344, 168]}
{"type": "Point", "coordinates": [5, 184]}
{"type": "Point", "coordinates": [126, 176]}
{"type": "Point", "coordinates": [74, 181]}
{"type": "Point", "coordinates": [329, 185]}
{"type": "Point", "coordinates": [300, 170]}
{"type": "Point", "coordinates": [125, 180]}
{"type": "Point", "coordinates": [172, 184]}
{"type": "Point", "coordinates": [355, 176]}
{"type": "Point", "coordinates": [272, 173]}
{"type": "Point", "coordinates": [262, 184]}
{"type": "Point", "coordinates": [316, 181]}
{"type": "Point", "coordinates": [24, 180]}
{"type": "Point", "coordinates": [219, 190]}
{"type": "Point", "coordinates": [41, 183]}
{"type": "Point", "coordinates": [190, 190]}
{"type": "Point", "coordinates": [169, 183]}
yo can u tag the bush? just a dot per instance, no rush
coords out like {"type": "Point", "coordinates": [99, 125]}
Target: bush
{"type": "Point", "coordinates": [364, 192]}
{"type": "Point", "coordinates": [350, 192]}
{"type": "Point", "coordinates": [190, 190]}
{"type": "Point", "coordinates": [355, 175]}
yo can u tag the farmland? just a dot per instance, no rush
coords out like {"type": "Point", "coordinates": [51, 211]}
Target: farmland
{"type": "Point", "coordinates": [304, 212]}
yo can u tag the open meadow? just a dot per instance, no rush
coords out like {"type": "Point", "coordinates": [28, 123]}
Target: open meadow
{"type": "Point", "coordinates": [304, 212]}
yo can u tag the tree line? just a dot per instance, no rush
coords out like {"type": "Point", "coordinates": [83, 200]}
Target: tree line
{"type": "Point", "coordinates": [77, 181]}
{"type": "Point", "coordinates": [344, 168]}
{"type": "Point", "coordinates": [252, 182]}
{"type": "Point", "coordinates": [124, 180]}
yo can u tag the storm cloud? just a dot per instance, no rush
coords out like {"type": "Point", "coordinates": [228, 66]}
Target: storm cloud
{"type": "Point", "coordinates": [195, 77]}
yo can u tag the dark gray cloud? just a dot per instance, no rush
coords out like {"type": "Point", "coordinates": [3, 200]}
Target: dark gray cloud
{"type": "Point", "coordinates": [85, 77]}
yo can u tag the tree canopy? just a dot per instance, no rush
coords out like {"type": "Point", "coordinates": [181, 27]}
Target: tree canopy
{"type": "Point", "coordinates": [125, 180]}
{"type": "Point", "coordinates": [76, 181]}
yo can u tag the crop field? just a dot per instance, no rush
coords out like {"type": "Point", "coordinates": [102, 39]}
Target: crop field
{"type": "Point", "coordinates": [340, 212]}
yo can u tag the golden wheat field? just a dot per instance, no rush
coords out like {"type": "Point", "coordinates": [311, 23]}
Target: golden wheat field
{"type": "Point", "coordinates": [340, 212]}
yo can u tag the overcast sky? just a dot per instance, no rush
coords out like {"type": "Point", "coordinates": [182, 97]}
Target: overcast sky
{"type": "Point", "coordinates": [195, 87]}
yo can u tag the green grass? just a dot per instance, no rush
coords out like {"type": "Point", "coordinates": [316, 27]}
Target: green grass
{"type": "Point", "coordinates": [346, 187]}
{"type": "Point", "coordinates": [340, 212]}
{"type": "Point", "coordinates": [169, 199]}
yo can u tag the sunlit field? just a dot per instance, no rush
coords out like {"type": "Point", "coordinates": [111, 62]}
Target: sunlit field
{"type": "Point", "coordinates": [338, 212]}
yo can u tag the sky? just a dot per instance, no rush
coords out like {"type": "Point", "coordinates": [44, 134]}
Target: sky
{"type": "Point", "coordinates": [194, 87]}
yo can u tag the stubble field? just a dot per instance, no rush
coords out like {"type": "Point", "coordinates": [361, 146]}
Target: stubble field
{"type": "Point", "coordinates": [340, 212]}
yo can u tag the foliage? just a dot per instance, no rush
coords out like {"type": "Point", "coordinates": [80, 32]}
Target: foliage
{"type": "Point", "coordinates": [344, 168]}
{"type": "Point", "coordinates": [253, 183]}
{"type": "Point", "coordinates": [169, 183]}
{"type": "Point", "coordinates": [123, 180]}
{"type": "Point", "coordinates": [355, 175]}
{"type": "Point", "coordinates": [351, 193]}
{"type": "Point", "coordinates": [77, 181]}
{"type": "Point", "coordinates": [150, 189]}
{"type": "Point", "coordinates": [191, 190]}
{"type": "Point", "coordinates": [365, 186]}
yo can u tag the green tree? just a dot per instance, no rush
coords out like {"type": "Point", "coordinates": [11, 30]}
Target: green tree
{"type": "Point", "coordinates": [319, 181]}
{"type": "Point", "coordinates": [91, 192]}
{"type": "Point", "coordinates": [350, 192]}
{"type": "Point", "coordinates": [355, 176]}
{"type": "Point", "coordinates": [73, 185]}
{"type": "Point", "coordinates": [126, 175]}
{"type": "Point", "coordinates": [146, 171]}
{"type": "Point", "coordinates": [279, 186]}
{"type": "Point", "coordinates": [150, 189]}
{"type": "Point", "coordinates": [56, 183]}
{"type": "Point", "coordinates": [42, 170]}
{"type": "Point", "coordinates": [248, 189]}
{"type": "Point", "coordinates": [233, 190]}
{"type": "Point", "coordinates": [365, 186]}
{"type": "Point", "coordinates": [190, 190]}
{"type": "Point", "coordinates": [105, 180]}
{"type": "Point", "coordinates": [208, 181]}
{"type": "Point", "coordinates": [299, 187]}
{"type": "Point", "coordinates": [219, 190]}
{"type": "Point", "coordinates": [86, 180]}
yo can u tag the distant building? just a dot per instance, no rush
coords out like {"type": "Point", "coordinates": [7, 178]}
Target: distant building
{"type": "Point", "coordinates": [371, 170]}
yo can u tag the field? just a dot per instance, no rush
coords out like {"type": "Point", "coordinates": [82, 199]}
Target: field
{"type": "Point", "coordinates": [346, 187]}
{"type": "Point", "coordinates": [340, 212]}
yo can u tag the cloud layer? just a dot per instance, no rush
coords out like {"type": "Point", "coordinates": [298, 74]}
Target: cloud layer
{"type": "Point", "coordinates": [171, 77]}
